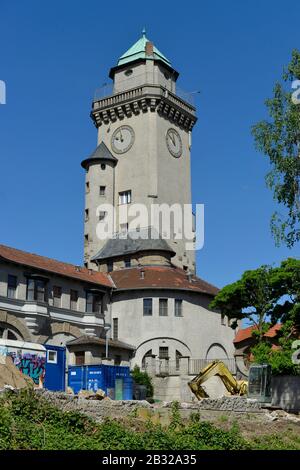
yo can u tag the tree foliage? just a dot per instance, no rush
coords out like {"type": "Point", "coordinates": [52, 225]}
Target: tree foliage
{"type": "Point", "coordinates": [279, 139]}
{"type": "Point", "coordinates": [142, 378]}
{"type": "Point", "coordinates": [263, 296]}
{"type": "Point", "coordinates": [280, 359]}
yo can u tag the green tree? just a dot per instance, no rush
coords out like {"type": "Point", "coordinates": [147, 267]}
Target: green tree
{"type": "Point", "coordinates": [263, 296]}
{"type": "Point", "coordinates": [279, 139]}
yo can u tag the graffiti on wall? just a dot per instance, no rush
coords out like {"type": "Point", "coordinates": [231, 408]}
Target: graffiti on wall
{"type": "Point", "coordinates": [29, 364]}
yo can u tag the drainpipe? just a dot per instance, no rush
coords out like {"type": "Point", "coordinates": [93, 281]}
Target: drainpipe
{"type": "Point", "coordinates": [107, 326]}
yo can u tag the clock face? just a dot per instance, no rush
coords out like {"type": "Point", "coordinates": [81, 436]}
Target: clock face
{"type": "Point", "coordinates": [122, 139]}
{"type": "Point", "coordinates": [174, 143]}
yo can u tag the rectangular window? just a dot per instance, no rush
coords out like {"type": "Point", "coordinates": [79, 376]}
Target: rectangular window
{"type": "Point", "coordinates": [163, 352]}
{"type": "Point", "coordinates": [223, 320]}
{"type": "Point", "coordinates": [115, 328]}
{"type": "Point", "coordinates": [56, 296]}
{"type": "Point", "coordinates": [147, 307]}
{"type": "Point", "coordinates": [79, 358]}
{"type": "Point", "coordinates": [125, 197]}
{"type": "Point", "coordinates": [86, 212]}
{"type": "Point", "coordinates": [89, 302]}
{"type": "Point", "coordinates": [36, 290]}
{"type": "Point", "coordinates": [110, 266]}
{"type": "Point", "coordinates": [163, 307]}
{"type": "Point", "coordinates": [86, 240]}
{"type": "Point", "coordinates": [93, 303]}
{"type": "Point", "coordinates": [178, 356]}
{"type": "Point", "coordinates": [30, 289]}
{"type": "Point", "coordinates": [73, 299]}
{"type": "Point", "coordinates": [127, 262]}
{"type": "Point", "coordinates": [52, 357]}
{"type": "Point", "coordinates": [12, 286]}
{"type": "Point", "coordinates": [102, 190]}
{"type": "Point", "coordinates": [87, 187]}
{"type": "Point", "coordinates": [178, 307]}
{"type": "Point", "coordinates": [102, 215]}
{"type": "Point", "coordinates": [124, 228]}
{"type": "Point", "coordinates": [40, 291]}
{"type": "Point", "coordinates": [118, 360]}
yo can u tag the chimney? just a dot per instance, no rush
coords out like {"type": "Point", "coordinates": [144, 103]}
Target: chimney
{"type": "Point", "coordinates": [149, 48]}
{"type": "Point", "coordinates": [78, 269]}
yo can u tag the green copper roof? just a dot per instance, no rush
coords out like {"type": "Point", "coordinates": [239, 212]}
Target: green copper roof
{"type": "Point", "coordinates": [137, 51]}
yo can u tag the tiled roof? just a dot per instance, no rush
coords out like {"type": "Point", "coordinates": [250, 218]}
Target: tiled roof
{"type": "Point", "coordinates": [53, 266]}
{"type": "Point", "coordinates": [133, 242]}
{"type": "Point", "coordinates": [246, 333]}
{"type": "Point", "coordinates": [273, 331]}
{"type": "Point", "coordinates": [162, 277]}
{"type": "Point", "coordinates": [100, 154]}
{"type": "Point", "coordinates": [83, 340]}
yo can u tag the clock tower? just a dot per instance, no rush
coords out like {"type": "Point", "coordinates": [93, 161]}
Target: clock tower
{"type": "Point", "coordinates": [142, 157]}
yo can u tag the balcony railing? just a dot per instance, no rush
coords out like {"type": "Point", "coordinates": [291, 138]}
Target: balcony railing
{"type": "Point", "coordinates": [108, 90]}
{"type": "Point", "coordinates": [166, 367]}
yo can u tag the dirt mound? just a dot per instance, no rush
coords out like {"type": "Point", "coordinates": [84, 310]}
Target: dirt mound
{"type": "Point", "coordinates": [10, 374]}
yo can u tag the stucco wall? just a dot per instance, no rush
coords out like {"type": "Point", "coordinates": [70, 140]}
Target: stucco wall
{"type": "Point", "coordinates": [192, 334]}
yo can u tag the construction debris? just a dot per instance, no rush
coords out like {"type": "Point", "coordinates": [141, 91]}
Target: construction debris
{"type": "Point", "coordinates": [91, 395]}
{"type": "Point", "coordinates": [11, 377]}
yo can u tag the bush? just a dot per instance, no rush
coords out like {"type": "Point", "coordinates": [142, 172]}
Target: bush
{"type": "Point", "coordinates": [142, 378]}
{"type": "Point", "coordinates": [30, 422]}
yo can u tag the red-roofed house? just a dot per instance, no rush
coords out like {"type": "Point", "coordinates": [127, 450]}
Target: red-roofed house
{"type": "Point", "coordinates": [244, 339]}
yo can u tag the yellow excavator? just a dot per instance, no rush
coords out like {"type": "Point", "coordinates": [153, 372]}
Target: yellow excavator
{"type": "Point", "coordinates": [234, 387]}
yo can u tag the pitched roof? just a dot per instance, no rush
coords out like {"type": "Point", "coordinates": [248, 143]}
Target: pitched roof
{"type": "Point", "coordinates": [113, 343]}
{"type": "Point", "coordinates": [101, 153]}
{"type": "Point", "coordinates": [53, 266]}
{"type": "Point", "coordinates": [124, 244]}
{"type": "Point", "coordinates": [138, 51]}
{"type": "Point", "coordinates": [246, 333]}
{"type": "Point", "coordinates": [160, 277]}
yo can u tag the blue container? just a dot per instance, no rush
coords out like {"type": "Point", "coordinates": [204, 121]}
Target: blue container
{"type": "Point", "coordinates": [127, 388]}
{"type": "Point", "coordinates": [77, 378]}
{"type": "Point", "coordinates": [55, 368]}
{"type": "Point", "coordinates": [93, 377]}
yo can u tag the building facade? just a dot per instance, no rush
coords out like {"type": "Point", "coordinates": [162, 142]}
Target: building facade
{"type": "Point", "coordinates": [136, 296]}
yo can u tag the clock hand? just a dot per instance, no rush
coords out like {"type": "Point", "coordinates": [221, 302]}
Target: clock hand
{"type": "Point", "coordinates": [172, 138]}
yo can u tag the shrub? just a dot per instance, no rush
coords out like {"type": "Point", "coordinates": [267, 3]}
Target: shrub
{"type": "Point", "coordinates": [142, 378]}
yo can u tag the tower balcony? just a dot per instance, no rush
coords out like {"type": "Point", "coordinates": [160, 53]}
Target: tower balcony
{"type": "Point", "coordinates": [109, 105]}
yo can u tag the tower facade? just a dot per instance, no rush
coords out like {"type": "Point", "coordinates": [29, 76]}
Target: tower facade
{"type": "Point", "coordinates": [143, 153]}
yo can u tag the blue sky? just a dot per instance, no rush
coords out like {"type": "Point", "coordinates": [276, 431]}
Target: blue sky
{"type": "Point", "coordinates": [53, 57]}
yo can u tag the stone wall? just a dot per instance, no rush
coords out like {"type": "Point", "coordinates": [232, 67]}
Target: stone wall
{"type": "Point", "coordinates": [157, 413]}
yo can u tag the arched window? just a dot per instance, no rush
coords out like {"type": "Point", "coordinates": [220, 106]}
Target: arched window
{"type": "Point", "coordinates": [9, 332]}
{"type": "Point", "coordinates": [148, 353]}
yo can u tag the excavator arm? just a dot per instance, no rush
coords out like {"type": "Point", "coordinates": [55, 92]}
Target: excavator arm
{"type": "Point", "coordinates": [234, 387]}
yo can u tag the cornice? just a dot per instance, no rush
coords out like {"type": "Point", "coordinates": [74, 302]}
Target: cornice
{"type": "Point", "coordinates": [153, 98]}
